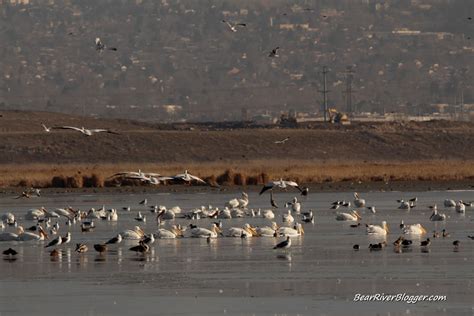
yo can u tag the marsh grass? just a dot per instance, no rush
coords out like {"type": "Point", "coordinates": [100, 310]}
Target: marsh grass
{"type": "Point", "coordinates": [238, 172]}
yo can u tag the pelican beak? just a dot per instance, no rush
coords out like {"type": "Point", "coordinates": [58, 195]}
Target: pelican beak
{"type": "Point", "coordinates": [357, 215]}
{"type": "Point", "coordinates": [301, 230]}
{"type": "Point", "coordinates": [253, 231]}
{"type": "Point", "coordinates": [423, 229]}
{"type": "Point", "coordinates": [386, 229]}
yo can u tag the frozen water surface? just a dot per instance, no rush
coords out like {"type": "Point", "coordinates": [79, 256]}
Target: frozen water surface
{"type": "Point", "coordinates": [318, 275]}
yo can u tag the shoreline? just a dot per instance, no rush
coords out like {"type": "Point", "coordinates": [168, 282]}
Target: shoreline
{"type": "Point", "coordinates": [347, 186]}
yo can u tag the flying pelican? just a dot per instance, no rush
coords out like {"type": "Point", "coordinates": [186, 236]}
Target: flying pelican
{"type": "Point", "coordinates": [414, 229]}
{"type": "Point", "coordinates": [284, 244]}
{"type": "Point", "coordinates": [358, 202]}
{"type": "Point", "coordinates": [377, 230]}
{"type": "Point", "coordinates": [186, 177]}
{"type": "Point", "coordinates": [233, 27]}
{"type": "Point", "coordinates": [352, 216]}
{"type": "Point", "coordinates": [283, 184]}
{"type": "Point", "coordinates": [87, 132]}
{"type": "Point", "coordinates": [282, 141]}
{"type": "Point", "coordinates": [274, 52]}
{"type": "Point", "coordinates": [272, 201]}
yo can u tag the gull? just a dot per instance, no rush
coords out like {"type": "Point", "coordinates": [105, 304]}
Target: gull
{"type": "Point", "coordinates": [140, 217]}
{"type": "Point", "coordinates": [281, 184]}
{"type": "Point", "coordinates": [55, 242]}
{"type": "Point", "coordinates": [282, 141]}
{"type": "Point", "coordinates": [372, 209]}
{"type": "Point", "coordinates": [143, 202]}
{"type": "Point", "coordinates": [436, 216]}
{"type": "Point", "coordinates": [187, 177]}
{"type": "Point", "coordinates": [274, 52]}
{"type": "Point", "coordinates": [284, 244]}
{"type": "Point", "coordinates": [358, 202]}
{"type": "Point", "coordinates": [233, 27]}
{"type": "Point", "coordinates": [115, 240]}
{"type": "Point", "coordinates": [46, 129]}
{"type": "Point", "coordinates": [460, 207]}
{"type": "Point", "coordinates": [100, 46]}
{"type": "Point", "coordinates": [85, 131]}
{"type": "Point", "coordinates": [449, 203]}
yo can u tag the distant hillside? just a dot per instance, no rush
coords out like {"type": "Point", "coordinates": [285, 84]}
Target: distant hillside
{"type": "Point", "coordinates": [22, 140]}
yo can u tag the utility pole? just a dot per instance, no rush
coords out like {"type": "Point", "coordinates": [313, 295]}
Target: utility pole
{"type": "Point", "coordinates": [325, 93]}
{"type": "Point", "coordinates": [349, 91]}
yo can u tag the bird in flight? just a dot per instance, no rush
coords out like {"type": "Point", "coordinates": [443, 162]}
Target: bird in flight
{"type": "Point", "coordinates": [274, 52]}
{"type": "Point", "coordinates": [282, 141]}
{"type": "Point", "coordinates": [233, 27]}
{"type": "Point", "coordinates": [283, 184]}
{"type": "Point", "coordinates": [101, 46]}
{"type": "Point", "coordinates": [186, 177]}
{"type": "Point", "coordinates": [46, 129]}
{"type": "Point", "coordinates": [85, 131]}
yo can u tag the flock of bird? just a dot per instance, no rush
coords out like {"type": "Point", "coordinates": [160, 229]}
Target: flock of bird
{"type": "Point", "coordinates": [44, 230]}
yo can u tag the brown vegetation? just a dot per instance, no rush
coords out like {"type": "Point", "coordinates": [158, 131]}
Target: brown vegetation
{"type": "Point", "coordinates": [235, 173]}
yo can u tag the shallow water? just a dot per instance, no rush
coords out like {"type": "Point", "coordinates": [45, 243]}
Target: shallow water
{"type": "Point", "coordinates": [319, 274]}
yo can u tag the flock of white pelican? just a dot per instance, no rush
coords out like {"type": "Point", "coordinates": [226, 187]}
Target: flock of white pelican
{"type": "Point", "coordinates": [42, 225]}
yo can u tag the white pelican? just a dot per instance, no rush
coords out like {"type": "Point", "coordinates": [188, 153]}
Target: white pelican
{"type": "Point", "coordinates": [174, 232]}
{"type": "Point", "coordinates": [414, 229]}
{"type": "Point", "coordinates": [268, 214]}
{"type": "Point", "coordinates": [274, 52]}
{"type": "Point", "coordinates": [287, 218]}
{"type": "Point", "coordinates": [295, 205]}
{"type": "Point", "coordinates": [199, 232]}
{"type": "Point", "coordinates": [460, 207]}
{"type": "Point", "coordinates": [8, 236]}
{"type": "Point", "coordinates": [224, 214]}
{"type": "Point", "coordinates": [233, 27]}
{"type": "Point", "coordinates": [245, 231]}
{"type": "Point", "coordinates": [267, 231]}
{"type": "Point", "coordinates": [284, 244]}
{"type": "Point", "coordinates": [27, 236]}
{"type": "Point", "coordinates": [449, 203]}
{"type": "Point", "coordinates": [85, 131]}
{"type": "Point", "coordinates": [166, 214]}
{"type": "Point", "coordinates": [377, 230]}
{"type": "Point", "coordinates": [283, 184]}
{"type": "Point", "coordinates": [34, 214]}
{"type": "Point", "coordinates": [297, 230]}
{"type": "Point", "coordinates": [8, 218]}
{"type": "Point", "coordinates": [352, 216]}
{"type": "Point", "coordinates": [358, 202]}
{"type": "Point", "coordinates": [93, 213]}
{"type": "Point", "coordinates": [135, 234]}
{"type": "Point", "coordinates": [436, 216]}
{"type": "Point", "coordinates": [239, 203]}
{"type": "Point", "coordinates": [187, 177]}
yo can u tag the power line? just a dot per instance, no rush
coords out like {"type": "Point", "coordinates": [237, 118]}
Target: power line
{"type": "Point", "coordinates": [325, 92]}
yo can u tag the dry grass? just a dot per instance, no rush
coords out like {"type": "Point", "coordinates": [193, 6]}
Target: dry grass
{"type": "Point", "coordinates": [239, 172]}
